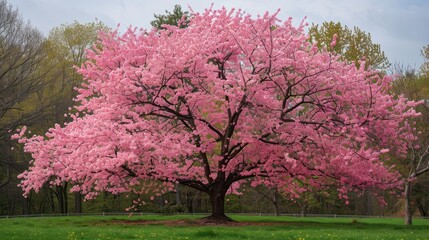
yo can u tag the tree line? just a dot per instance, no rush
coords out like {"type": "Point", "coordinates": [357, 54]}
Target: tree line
{"type": "Point", "coordinates": [38, 82]}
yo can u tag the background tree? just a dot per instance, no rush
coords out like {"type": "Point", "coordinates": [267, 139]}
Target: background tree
{"type": "Point", "coordinates": [420, 195]}
{"type": "Point", "coordinates": [21, 57]}
{"type": "Point", "coordinates": [425, 66]}
{"type": "Point", "coordinates": [171, 18]}
{"type": "Point", "coordinates": [353, 45]}
{"type": "Point", "coordinates": [416, 165]}
{"type": "Point", "coordinates": [420, 189]}
{"type": "Point", "coordinates": [272, 194]}
{"type": "Point", "coordinates": [66, 48]}
{"type": "Point", "coordinates": [38, 77]}
{"type": "Point", "coordinates": [227, 99]}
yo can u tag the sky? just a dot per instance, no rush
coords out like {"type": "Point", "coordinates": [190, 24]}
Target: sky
{"type": "Point", "coordinates": [401, 27]}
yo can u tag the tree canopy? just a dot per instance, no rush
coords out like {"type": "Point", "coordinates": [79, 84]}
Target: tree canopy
{"type": "Point", "coordinates": [415, 166]}
{"type": "Point", "coordinates": [171, 18]}
{"type": "Point", "coordinates": [226, 99]}
{"type": "Point", "coordinates": [353, 45]}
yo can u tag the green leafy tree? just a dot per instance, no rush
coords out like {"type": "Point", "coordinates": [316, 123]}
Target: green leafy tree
{"type": "Point", "coordinates": [416, 166]}
{"type": "Point", "coordinates": [38, 76]}
{"type": "Point", "coordinates": [353, 45]}
{"type": "Point", "coordinates": [171, 18]}
{"type": "Point", "coordinates": [66, 47]}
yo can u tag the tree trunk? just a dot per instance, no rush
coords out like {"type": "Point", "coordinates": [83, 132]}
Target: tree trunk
{"type": "Point", "coordinates": [276, 204]}
{"type": "Point", "coordinates": [217, 199]}
{"type": "Point", "coordinates": [7, 177]}
{"type": "Point", "coordinates": [369, 203]}
{"type": "Point", "coordinates": [61, 195]}
{"type": "Point", "coordinates": [408, 213]}
{"type": "Point", "coordinates": [197, 202]}
{"type": "Point", "coordinates": [422, 211]}
{"type": "Point", "coordinates": [65, 198]}
{"type": "Point", "coordinates": [178, 198]}
{"type": "Point", "coordinates": [51, 200]}
{"type": "Point", "coordinates": [26, 206]}
{"type": "Point", "coordinates": [276, 209]}
{"type": "Point", "coordinates": [78, 202]}
{"type": "Point", "coordinates": [304, 207]}
{"type": "Point", "coordinates": [190, 201]}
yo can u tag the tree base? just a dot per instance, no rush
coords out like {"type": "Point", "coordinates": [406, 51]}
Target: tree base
{"type": "Point", "coordinates": [214, 219]}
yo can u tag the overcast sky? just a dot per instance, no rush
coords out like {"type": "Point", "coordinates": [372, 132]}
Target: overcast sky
{"type": "Point", "coordinates": [401, 27]}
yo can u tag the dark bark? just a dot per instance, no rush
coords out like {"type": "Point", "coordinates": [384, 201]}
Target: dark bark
{"type": "Point", "coordinates": [408, 212]}
{"type": "Point", "coordinates": [190, 201]}
{"type": "Point", "coordinates": [65, 198]}
{"type": "Point", "coordinates": [61, 195]}
{"type": "Point", "coordinates": [276, 208]}
{"type": "Point", "coordinates": [423, 212]}
{"type": "Point", "coordinates": [276, 199]}
{"type": "Point", "coordinates": [78, 202]}
{"type": "Point", "coordinates": [50, 198]}
{"type": "Point", "coordinates": [276, 205]}
{"type": "Point", "coordinates": [25, 206]}
{"type": "Point", "coordinates": [197, 202]}
{"type": "Point", "coordinates": [7, 180]}
{"type": "Point", "coordinates": [217, 199]}
{"type": "Point", "coordinates": [216, 190]}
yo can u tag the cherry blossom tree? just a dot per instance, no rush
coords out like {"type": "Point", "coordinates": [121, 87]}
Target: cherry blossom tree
{"type": "Point", "coordinates": [227, 99]}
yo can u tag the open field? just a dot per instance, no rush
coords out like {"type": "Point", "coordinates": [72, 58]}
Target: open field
{"type": "Point", "coordinates": [188, 227]}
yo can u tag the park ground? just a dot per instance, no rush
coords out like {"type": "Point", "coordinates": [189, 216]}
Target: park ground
{"type": "Point", "coordinates": [192, 227]}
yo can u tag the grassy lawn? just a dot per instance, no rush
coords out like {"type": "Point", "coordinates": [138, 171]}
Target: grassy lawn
{"type": "Point", "coordinates": [184, 227]}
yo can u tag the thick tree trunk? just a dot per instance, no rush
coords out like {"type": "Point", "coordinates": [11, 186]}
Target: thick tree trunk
{"type": "Point", "coordinates": [408, 213]}
{"type": "Point", "coordinates": [217, 200]}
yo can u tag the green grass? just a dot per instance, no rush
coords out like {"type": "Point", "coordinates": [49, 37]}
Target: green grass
{"type": "Point", "coordinates": [123, 227]}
